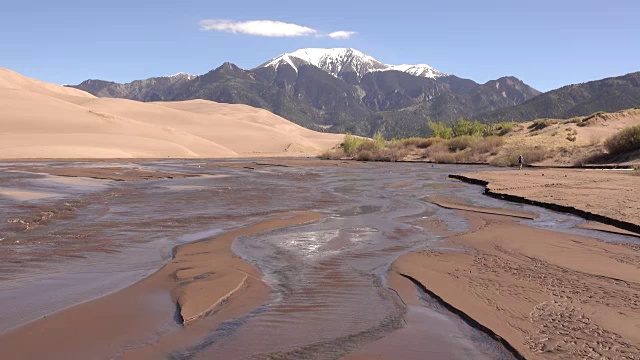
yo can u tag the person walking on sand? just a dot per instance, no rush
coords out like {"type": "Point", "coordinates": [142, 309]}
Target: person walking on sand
{"type": "Point", "coordinates": [520, 161]}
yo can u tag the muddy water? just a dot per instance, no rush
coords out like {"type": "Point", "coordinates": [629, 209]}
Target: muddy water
{"type": "Point", "coordinates": [68, 240]}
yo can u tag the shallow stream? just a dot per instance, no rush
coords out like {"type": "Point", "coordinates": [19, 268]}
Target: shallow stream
{"type": "Point", "coordinates": [68, 240]}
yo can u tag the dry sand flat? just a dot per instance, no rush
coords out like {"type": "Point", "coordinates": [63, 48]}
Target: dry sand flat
{"type": "Point", "coordinates": [611, 194]}
{"type": "Point", "coordinates": [201, 276]}
{"type": "Point", "coordinates": [41, 120]}
{"type": "Point", "coordinates": [549, 295]}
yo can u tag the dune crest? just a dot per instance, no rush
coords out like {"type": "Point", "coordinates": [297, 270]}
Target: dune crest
{"type": "Point", "coordinates": [42, 120]}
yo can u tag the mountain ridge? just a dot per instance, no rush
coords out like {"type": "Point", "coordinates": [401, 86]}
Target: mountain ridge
{"type": "Point", "coordinates": [609, 94]}
{"type": "Point", "coordinates": [349, 92]}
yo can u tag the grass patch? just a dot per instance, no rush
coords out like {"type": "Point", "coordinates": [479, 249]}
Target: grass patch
{"type": "Point", "coordinates": [531, 155]}
{"type": "Point", "coordinates": [625, 141]}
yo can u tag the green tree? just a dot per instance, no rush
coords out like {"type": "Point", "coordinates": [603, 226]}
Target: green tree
{"type": "Point", "coordinates": [461, 127]}
{"type": "Point", "coordinates": [440, 130]}
{"type": "Point", "coordinates": [378, 140]}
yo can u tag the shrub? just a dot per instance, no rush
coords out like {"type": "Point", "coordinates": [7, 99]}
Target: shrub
{"type": "Point", "coordinates": [530, 154]}
{"type": "Point", "coordinates": [461, 127]}
{"type": "Point", "coordinates": [595, 114]}
{"type": "Point", "coordinates": [625, 141]}
{"type": "Point", "coordinates": [453, 158]}
{"type": "Point", "coordinates": [378, 140]}
{"type": "Point", "coordinates": [461, 142]}
{"type": "Point", "coordinates": [499, 129]}
{"type": "Point", "coordinates": [351, 144]}
{"type": "Point", "coordinates": [489, 144]}
{"type": "Point", "coordinates": [420, 143]}
{"type": "Point", "coordinates": [636, 170]}
{"type": "Point", "coordinates": [335, 154]}
{"type": "Point", "coordinates": [574, 120]}
{"type": "Point", "coordinates": [444, 158]}
{"type": "Point", "coordinates": [540, 124]}
{"type": "Point", "coordinates": [392, 154]}
{"type": "Point", "coordinates": [436, 149]}
{"type": "Point", "coordinates": [505, 128]}
{"type": "Point", "coordinates": [364, 155]}
{"type": "Point", "coordinates": [367, 145]}
{"type": "Point", "coordinates": [440, 130]}
{"type": "Point", "coordinates": [464, 127]}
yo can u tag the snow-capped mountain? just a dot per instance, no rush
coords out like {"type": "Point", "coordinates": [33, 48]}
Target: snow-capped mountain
{"type": "Point", "coordinates": [335, 90]}
{"type": "Point", "coordinates": [340, 60]}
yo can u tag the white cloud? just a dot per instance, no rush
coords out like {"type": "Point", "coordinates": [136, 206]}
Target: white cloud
{"type": "Point", "coordinates": [341, 34]}
{"type": "Point", "coordinates": [269, 28]}
{"type": "Point", "coordinates": [258, 28]}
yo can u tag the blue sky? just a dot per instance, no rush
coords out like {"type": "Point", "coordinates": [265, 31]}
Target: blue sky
{"type": "Point", "coordinates": [545, 43]}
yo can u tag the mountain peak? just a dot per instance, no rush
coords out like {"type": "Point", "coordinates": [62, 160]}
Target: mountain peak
{"type": "Point", "coordinates": [336, 61]}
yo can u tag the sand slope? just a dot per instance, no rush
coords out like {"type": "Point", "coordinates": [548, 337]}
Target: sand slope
{"type": "Point", "coordinates": [571, 140]}
{"type": "Point", "coordinates": [41, 120]}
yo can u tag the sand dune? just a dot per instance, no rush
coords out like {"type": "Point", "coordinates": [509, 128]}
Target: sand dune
{"type": "Point", "coordinates": [570, 140]}
{"type": "Point", "coordinates": [41, 120]}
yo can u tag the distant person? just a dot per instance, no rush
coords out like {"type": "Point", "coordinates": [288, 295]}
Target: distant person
{"type": "Point", "coordinates": [520, 161]}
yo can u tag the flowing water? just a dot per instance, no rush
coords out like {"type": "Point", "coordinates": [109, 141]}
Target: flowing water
{"type": "Point", "coordinates": [69, 240]}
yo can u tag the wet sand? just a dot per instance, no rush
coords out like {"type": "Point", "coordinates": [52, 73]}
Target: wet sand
{"type": "Point", "coordinates": [199, 278]}
{"type": "Point", "coordinates": [456, 204]}
{"type": "Point", "coordinates": [549, 295]}
{"type": "Point", "coordinates": [275, 258]}
{"type": "Point", "coordinates": [594, 225]}
{"type": "Point", "coordinates": [611, 194]}
{"type": "Point", "coordinates": [105, 173]}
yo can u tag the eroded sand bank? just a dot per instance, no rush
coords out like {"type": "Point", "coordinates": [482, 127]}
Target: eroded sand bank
{"type": "Point", "coordinates": [611, 194]}
{"type": "Point", "coordinates": [548, 294]}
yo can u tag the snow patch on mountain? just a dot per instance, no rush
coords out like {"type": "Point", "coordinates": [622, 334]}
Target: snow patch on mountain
{"type": "Point", "coordinates": [338, 60]}
{"type": "Point", "coordinates": [181, 75]}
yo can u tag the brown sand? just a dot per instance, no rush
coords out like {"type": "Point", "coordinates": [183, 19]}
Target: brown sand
{"type": "Point", "coordinates": [549, 295]}
{"type": "Point", "coordinates": [205, 279]}
{"type": "Point", "coordinates": [41, 120]}
{"type": "Point", "coordinates": [614, 194]}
